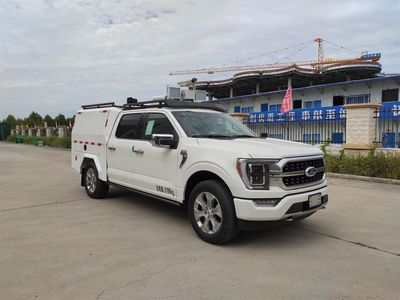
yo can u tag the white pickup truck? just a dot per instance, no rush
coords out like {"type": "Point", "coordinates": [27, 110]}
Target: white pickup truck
{"type": "Point", "coordinates": [197, 156]}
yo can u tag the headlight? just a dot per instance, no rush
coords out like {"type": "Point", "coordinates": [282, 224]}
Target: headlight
{"type": "Point", "coordinates": [255, 172]}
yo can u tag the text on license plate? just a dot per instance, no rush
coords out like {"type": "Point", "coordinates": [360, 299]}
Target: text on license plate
{"type": "Point", "coordinates": [314, 200]}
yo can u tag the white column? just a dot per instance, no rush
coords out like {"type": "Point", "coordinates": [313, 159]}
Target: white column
{"type": "Point", "coordinates": [360, 126]}
{"type": "Point", "coordinates": [257, 88]}
{"type": "Point", "coordinates": [49, 131]}
{"type": "Point", "coordinates": [231, 92]}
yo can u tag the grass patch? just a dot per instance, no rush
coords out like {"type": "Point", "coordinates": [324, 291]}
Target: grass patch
{"type": "Point", "coordinates": [374, 164]}
{"type": "Point", "coordinates": [52, 141]}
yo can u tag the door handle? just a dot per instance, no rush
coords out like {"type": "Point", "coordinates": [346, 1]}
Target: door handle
{"type": "Point", "coordinates": [138, 151]}
{"type": "Point", "coordinates": [111, 148]}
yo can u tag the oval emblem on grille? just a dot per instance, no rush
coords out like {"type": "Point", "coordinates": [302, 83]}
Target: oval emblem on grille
{"type": "Point", "coordinates": [310, 171]}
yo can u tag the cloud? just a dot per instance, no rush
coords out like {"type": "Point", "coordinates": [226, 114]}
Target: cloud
{"type": "Point", "coordinates": [57, 55]}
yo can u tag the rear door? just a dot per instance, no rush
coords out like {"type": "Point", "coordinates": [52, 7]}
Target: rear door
{"type": "Point", "coordinates": [120, 155]}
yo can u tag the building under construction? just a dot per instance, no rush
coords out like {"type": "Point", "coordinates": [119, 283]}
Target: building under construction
{"type": "Point", "coordinates": [319, 83]}
{"type": "Point", "coordinates": [320, 89]}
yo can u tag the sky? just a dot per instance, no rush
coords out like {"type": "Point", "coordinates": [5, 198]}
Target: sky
{"type": "Point", "coordinates": [57, 55]}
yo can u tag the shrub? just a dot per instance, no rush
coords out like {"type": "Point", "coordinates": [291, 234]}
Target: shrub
{"type": "Point", "coordinates": [372, 165]}
{"type": "Point", "coordinates": [52, 141]}
{"type": "Point", "coordinates": [11, 138]}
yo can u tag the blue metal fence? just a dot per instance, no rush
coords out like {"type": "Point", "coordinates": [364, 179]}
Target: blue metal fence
{"type": "Point", "coordinates": [324, 125]}
{"type": "Point", "coordinates": [387, 118]}
{"type": "Point", "coordinates": [310, 125]}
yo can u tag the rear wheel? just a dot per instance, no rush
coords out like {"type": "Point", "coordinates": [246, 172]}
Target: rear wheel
{"type": "Point", "coordinates": [212, 213]}
{"type": "Point", "coordinates": [94, 186]}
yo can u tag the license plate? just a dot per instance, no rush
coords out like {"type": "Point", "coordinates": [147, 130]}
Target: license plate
{"type": "Point", "coordinates": [314, 200]}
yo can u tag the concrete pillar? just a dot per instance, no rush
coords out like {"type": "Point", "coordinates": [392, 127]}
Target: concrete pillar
{"type": "Point", "coordinates": [31, 132]}
{"type": "Point", "coordinates": [41, 132]}
{"type": "Point", "coordinates": [231, 92]}
{"type": "Point", "coordinates": [257, 88]}
{"type": "Point", "coordinates": [49, 131]}
{"type": "Point", "coordinates": [210, 97]}
{"type": "Point", "coordinates": [24, 131]}
{"type": "Point", "coordinates": [360, 126]}
{"type": "Point", "coordinates": [62, 131]}
{"type": "Point", "coordinates": [289, 82]}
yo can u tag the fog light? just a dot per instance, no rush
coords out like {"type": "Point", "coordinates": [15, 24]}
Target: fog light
{"type": "Point", "coordinates": [267, 202]}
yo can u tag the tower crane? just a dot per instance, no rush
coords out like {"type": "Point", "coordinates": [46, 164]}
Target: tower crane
{"type": "Point", "coordinates": [316, 64]}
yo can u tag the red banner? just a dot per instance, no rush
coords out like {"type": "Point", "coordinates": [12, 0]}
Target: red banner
{"type": "Point", "coordinates": [287, 101]}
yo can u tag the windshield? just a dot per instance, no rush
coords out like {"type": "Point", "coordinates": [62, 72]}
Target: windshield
{"type": "Point", "coordinates": [211, 125]}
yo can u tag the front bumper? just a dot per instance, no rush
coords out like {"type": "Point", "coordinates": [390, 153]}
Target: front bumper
{"type": "Point", "coordinates": [290, 206]}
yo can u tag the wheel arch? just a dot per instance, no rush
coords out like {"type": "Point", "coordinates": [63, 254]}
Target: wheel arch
{"type": "Point", "coordinates": [87, 159]}
{"type": "Point", "coordinates": [198, 177]}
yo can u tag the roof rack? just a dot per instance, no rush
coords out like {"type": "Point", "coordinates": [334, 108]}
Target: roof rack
{"type": "Point", "coordinates": [171, 104]}
{"type": "Point", "coordinates": [99, 105]}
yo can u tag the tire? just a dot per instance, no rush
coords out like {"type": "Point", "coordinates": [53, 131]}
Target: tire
{"type": "Point", "coordinates": [211, 212]}
{"type": "Point", "coordinates": [95, 187]}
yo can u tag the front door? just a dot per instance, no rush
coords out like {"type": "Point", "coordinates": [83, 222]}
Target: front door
{"type": "Point", "coordinates": [155, 168]}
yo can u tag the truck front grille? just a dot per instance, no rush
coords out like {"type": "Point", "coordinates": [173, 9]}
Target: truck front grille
{"type": "Point", "coordinates": [302, 165]}
{"type": "Point", "coordinates": [294, 172]}
{"type": "Point", "coordinates": [302, 179]}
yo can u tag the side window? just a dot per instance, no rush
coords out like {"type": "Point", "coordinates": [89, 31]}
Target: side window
{"type": "Point", "coordinates": [157, 124]}
{"type": "Point", "coordinates": [129, 127]}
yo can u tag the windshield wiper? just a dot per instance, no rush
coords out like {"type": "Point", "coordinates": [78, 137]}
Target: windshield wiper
{"type": "Point", "coordinates": [211, 136]}
{"type": "Point", "coordinates": [243, 136]}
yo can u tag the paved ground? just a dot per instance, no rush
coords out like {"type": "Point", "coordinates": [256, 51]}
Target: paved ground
{"type": "Point", "coordinates": [56, 243]}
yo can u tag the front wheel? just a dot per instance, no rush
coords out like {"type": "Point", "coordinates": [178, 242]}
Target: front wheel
{"type": "Point", "coordinates": [212, 213]}
{"type": "Point", "coordinates": [94, 186]}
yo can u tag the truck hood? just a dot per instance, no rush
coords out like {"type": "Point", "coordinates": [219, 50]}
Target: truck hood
{"type": "Point", "coordinates": [261, 147]}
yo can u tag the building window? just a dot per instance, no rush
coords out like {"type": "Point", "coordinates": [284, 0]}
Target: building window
{"type": "Point", "coordinates": [356, 99]}
{"type": "Point", "coordinates": [390, 95]}
{"type": "Point", "coordinates": [236, 109]}
{"type": "Point", "coordinates": [247, 109]}
{"type": "Point", "coordinates": [337, 137]}
{"type": "Point", "coordinates": [338, 100]}
{"type": "Point", "coordinates": [297, 104]}
{"type": "Point", "coordinates": [312, 104]}
{"type": "Point", "coordinates": [264, 106]}
{"type": "Point", "coordinates": [275, 107]}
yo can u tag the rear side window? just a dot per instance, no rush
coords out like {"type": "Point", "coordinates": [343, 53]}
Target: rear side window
{"type": "Point", "coordinates": [129, 127]}
{"type": "Point", "coordinates": [157, 124]}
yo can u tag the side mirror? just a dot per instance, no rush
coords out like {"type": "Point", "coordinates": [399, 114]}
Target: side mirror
{"type": "Point", "coordinates": [163, 141]}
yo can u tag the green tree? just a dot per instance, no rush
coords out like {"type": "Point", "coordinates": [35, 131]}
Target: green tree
{"type": "Point", "coordinates": [11, 120]}
{"type": "Point", "coordinates": [71, 120]}
{"type": "Point", "coordinates": [34, 119]}
{"type": "Point", "coordinates": [49, 120]}
{"type": "Point", "coordinates": [20, 122]}
{"type": "Point", "coordinates": [61, 120]}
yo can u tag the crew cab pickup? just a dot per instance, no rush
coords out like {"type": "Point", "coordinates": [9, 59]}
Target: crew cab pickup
{"type": "Point", "coordinates": [199, 157]}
